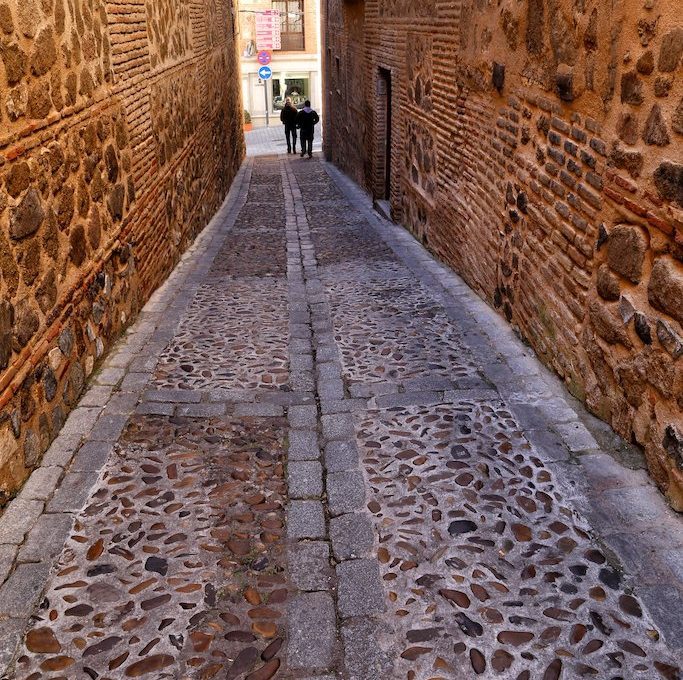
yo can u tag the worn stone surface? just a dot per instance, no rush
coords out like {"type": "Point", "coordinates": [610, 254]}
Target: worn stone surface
{"type": "Point", "coordinates": [312, 631]}
{"type": "Point", "coordinates": [626, 250]}
{"type": "Point", "coordinates": [608, 284]}
{"type": "Point", "coordinates": [665, 289]}
{"type": "Point", "coordinates": [655, 131]}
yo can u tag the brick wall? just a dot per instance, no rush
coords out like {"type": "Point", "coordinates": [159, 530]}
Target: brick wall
{"type": "Point", "coordinates": [120, 133]}
{"type": "Point", "coordinates": [537, 147]}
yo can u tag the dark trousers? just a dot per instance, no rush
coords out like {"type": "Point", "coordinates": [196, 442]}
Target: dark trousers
{"type": "Point", "coordinates": [306, 145]}
{"type": "Point", "coordinates": [290, 133]}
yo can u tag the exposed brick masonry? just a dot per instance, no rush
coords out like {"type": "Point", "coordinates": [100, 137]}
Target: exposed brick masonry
{"type": "Point", "coordinates": [537, 147]}
{"type": "Point", "coordinates": [120, 133]}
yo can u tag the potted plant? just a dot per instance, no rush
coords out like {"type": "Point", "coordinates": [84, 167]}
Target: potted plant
{"type": "Point", "coordinates": [247, 121]}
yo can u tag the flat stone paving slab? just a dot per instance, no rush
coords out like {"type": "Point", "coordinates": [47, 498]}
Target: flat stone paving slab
{"type": "Point", "coordinates": [312, 631]}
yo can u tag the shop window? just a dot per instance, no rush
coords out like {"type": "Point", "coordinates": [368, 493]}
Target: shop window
{"type": "Point", "coordinates": [291, 24]}
{"type": "Point", "coordinates": [296, 86]}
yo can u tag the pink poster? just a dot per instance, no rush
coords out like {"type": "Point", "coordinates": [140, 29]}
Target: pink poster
{"type": "Point", "coordinates": [268, 30]}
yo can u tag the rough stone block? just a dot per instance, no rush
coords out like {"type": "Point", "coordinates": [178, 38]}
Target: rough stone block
{"type": "Point", "coordinates": [635, 507]}
{"type": "Point", "coordinates": [301, 362]}
{"type": "Point", "coordinates": [603, 473]}
{"type": "Point", "coordinates": [576, 436]}
{"type": "Point", "coordinates": [309, 565]}
{"type": "Point", "coordinates": [201, 410]}
{"type": "Point", "coordinates": [345, 491]}
{"type": "Point", "coordinates": [81, 421]}
{"type": "Point", "coordinates": [338, 426]}
{"type": "Point", "coordinates": [408, 399]}
{"type": "Point", "coordinates": [11, 631]}
{"type": "Point", "coordinates": [529, 417]}
{"type": "Point", "coordinates": [41, 484]}
{"type": "Point", "coordinates": [110, 376]}
{"type": "Point", "coordinates": [263, 410]}
{"type": "Point", "coordinates": [360, 588]}
{"type": "Point", "coordinates": [8, 554]}
{"type": "Point", "coordinates": [135, 381]}
{"type": "Point", "coordinates": [373, 389]}
{"type": "Point", "coordinates": [303, 445]}
{"type": "Point", "coordinates": [364, 657]}
{"type": "Point", "coordinates": [341, 456]}
{"type": "Point", "coordinates": [428, 384]}
{"type": "Point", "coordinates": [62, 450]}
{"type": "Point", "coordinates": [47, 537]}
{"type": "Point", "coordinates": [91, 456]}
{"type": "Point", "coordinates": [352, 536]}
{"type": "Point", "coordinates": [328, 370]}
{"type": "Point", "coordinates": [174, 396]}
{"type": "Point", "coordinates": [311, 632]}
{"type": "Point", "coordinates": [302, 417]}
{"type": "Point", "coordinates": [305, 479]}
{"type": "Point", "coordinates": [305, 519]}
{"type": "Point", "coordinates": [154, 408]}
{"type": "Point", "coordinates": [122, 403]}
{"type": "Point", "coordinates": [665, 604]}
{"type": "Point", "coordinates": [330, 388]}
{"type": "Point", "coordinates": [665, 289]}
{"type": "Point", "coordinates": [20, 593]}
{"type": "Point", "coordinates": [330, 407]}
{"type": "Point", "coordinates": [549, 445]}
{"type": "Point", "coordinates": [108, 427]}
{"type": "Point", "coordinates": [72, 492]}
{"type": "Point", "coordinates": [98, 395]}
{"type": "Point", "coordinates": [626, 250]}
{"type": "Point", "coordinates": [18, 518]}
{"type": "Point", "coordinates": [219, 395]}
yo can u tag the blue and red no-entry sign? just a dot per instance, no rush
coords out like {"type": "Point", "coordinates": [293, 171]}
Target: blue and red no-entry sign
{"type": "Point", "coordinates": [264, 57]}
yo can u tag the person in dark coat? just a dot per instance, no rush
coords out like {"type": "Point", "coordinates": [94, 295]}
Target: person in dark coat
{"type": "Point", "coordinates": [306, 121]}
{"type": "Point", "coordinates": [288, 116]}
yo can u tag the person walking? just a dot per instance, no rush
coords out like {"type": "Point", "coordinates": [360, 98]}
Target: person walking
{"type": "Point", "coordinates": [288, 116]}
{"type": "Point", "coordinates": [306, 121]}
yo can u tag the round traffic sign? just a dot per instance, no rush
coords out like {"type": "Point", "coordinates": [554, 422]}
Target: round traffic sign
{"type": "Point", "coordinates": [265, 73]}
{"type": "Point", "coordinates": [264, 57]}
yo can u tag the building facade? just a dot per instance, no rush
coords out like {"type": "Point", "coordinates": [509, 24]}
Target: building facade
{"type": "Point", "coordinates": [296, 66]}
{"type": "Point", "coordinates": [536, 146]}
{"type": "Point", "coordinates": [120, 134]}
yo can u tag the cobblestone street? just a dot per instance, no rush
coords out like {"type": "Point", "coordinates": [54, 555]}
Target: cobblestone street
{"type": "Point", "coordinates": [318, 454]}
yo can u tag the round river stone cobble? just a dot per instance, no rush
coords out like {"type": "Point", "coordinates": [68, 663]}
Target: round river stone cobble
{"type": "Point", "coordinates": [487, 570]}
{"type": "Point", "coordinates": [176, 567]}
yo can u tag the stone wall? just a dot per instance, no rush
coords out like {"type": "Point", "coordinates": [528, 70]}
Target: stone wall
{"type": "Point", "coordinates": [120, 133]}
{"type": "Point", "coordinates": [537, 147]}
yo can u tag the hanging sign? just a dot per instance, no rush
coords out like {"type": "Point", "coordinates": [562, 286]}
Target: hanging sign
{"type": "Point", "coordinates": [268, 30]}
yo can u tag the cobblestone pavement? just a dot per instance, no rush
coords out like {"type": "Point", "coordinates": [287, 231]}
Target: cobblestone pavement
{"type": "Point", "coordinates": [268, 141]}
{"type": "Point", "coordinates": [318, 455]}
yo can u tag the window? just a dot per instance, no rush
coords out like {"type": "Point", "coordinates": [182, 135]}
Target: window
{"type": "Point", "coordinates": [291, 24]}
{"type": "Point", "coordinates": [296, 86]}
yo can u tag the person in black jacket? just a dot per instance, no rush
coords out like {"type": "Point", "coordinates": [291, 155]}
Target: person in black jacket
{"type": "Point", "coordinates": [288, 117]}
{"type": "Point", "coordinates": [306, 121]}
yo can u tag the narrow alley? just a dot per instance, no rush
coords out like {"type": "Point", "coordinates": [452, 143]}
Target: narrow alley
{"type": "Point", "coordinates": [317, 454]}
